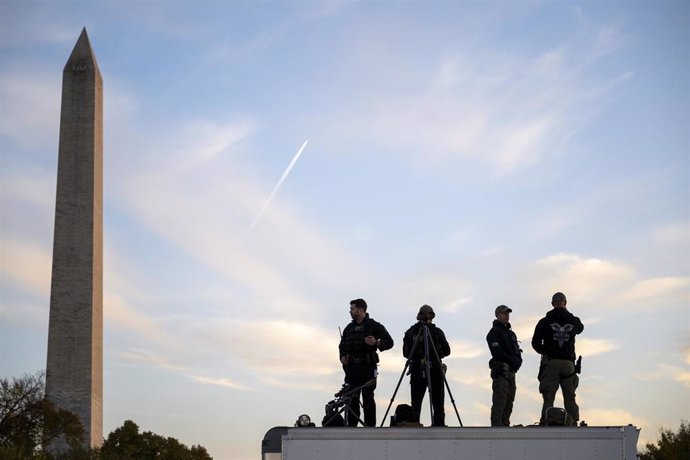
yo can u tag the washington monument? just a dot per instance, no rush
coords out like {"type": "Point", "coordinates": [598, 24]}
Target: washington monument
{"type": "Point", "coordinates": [74, 371]}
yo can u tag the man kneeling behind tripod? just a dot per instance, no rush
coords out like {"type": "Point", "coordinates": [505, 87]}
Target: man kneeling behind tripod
{"type": "Point", "coordinates": [426, 356]}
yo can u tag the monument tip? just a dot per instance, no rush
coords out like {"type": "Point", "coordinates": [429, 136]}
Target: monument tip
{"type": "Point", "coordinates": [82, 54]}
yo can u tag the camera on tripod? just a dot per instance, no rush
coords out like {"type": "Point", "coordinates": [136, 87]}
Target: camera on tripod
{"type": "Point", "coordinates": [333, 417]}
{"type": "Point", "coordinates": [336, 406]}
{"type": "Point", "coordinates": [340, 405]}
{"type": "Point", "coordinates": [424, 346]}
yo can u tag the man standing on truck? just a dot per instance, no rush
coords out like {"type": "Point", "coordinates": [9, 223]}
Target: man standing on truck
{"type": "Point", "coordinates": [554, 339]}
{"type": "Point", "coordinates": [358, 346]}
{"type": "Point", "coordinates": [505, 361]}
{"type": "Point", "coordinates": [419, 380]}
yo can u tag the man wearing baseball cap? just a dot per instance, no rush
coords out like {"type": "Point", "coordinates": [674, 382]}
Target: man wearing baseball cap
{"type": "Point", "coordinates": [505, 361]}
{"type": "Point", "coordinates": [554, 339]}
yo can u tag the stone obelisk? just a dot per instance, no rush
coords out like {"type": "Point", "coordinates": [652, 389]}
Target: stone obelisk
{"type": "Point", "coordinates": [74, 373]}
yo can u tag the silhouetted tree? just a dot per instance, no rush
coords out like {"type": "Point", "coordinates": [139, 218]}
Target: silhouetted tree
{"type": "Point", "coordinates": [670, 446]}
{"type": "Point", "coordinates": [28, 421]}
{"type": "Point", "coordinates": [127, 443]}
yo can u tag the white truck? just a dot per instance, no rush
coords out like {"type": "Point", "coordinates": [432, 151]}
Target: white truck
{"type": "Point", "coordinates": [447, 443]}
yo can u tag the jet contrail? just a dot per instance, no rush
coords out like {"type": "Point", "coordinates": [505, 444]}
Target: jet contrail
{"type": "Point", "coordinates": [280, 182]}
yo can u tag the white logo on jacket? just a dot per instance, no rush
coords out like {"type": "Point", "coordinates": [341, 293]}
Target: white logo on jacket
{"type": "Point", "coordinates": [561, 334]}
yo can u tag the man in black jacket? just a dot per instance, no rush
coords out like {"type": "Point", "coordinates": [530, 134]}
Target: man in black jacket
{"type": "Point", "coordinates": [418, 368]}
{"type": "Point", "coordinates": [358, 345]}
{"type": "Point", "coordinates": [505, 361]}
{"type": "Point", "coordinates": [554, 339]}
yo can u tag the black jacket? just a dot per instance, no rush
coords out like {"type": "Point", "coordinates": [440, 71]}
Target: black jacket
{"type": "Point", "coordinates": [554, 335]}
{"type": "Point", "coordinates": [504, 347]}
{"type": "Point", "coordinates": [437, 337]}
{"type": "Point", "coordinates": [352, 342]}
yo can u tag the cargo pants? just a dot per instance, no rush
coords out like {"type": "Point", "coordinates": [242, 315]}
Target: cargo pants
{"type": "Point", "coordinates": [418, 387]}
{"type": "Point", "coordinates": [357, 376]}
{"type": "Point", "coordinates": [557, 373]}
{"type": "Point", "coordinates": [503, 396]}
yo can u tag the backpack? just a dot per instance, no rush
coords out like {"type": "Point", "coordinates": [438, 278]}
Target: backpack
{"type": "Point", "coordinates": [404, 415]}
{"type": "Point", "coordinates": [556, 416]}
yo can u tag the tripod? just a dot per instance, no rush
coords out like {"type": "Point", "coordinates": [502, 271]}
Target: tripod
{"type": "Point", "coordinates": [341, 405]}
{"type": "Point", "coordinates": [425, 336]}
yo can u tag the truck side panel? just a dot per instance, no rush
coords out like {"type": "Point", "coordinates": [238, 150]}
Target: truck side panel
{"type": "Point", "coordinates": [499, 443]}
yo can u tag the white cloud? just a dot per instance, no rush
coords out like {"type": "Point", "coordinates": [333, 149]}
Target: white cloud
{"type": "Point", "coordinates": [316, 384]}
{"type": "Point", "coordinates": [524, 328]}
{"type": "Point", "coordinates": [591, 347]}
{"type": "Point", "coordinates": [119, 313]}
{"type": "Point", "coordinates": [461, 349]}
{"type": "Point", "coordinates": [209, 139]}
{"type": "Point", "coordinates": [509, 112]}
{"type": "Point", "coordinates": [478, 379]}
{"type": "Point", "coordinates": [276, 347]}
{"type": "Point", "coordinates": [223, 382]}
{"type": "Point", "coordinates": [521, 145]}
{"type": "Point", "coordinates": [609, 39]}
{"type": "Point", "coordinates": [31, 108]}
{"type": "Point", "coordinates": [203, 202]}
{"type": "Point", "coordinates": [593, 284]}
{"type": "Point", "coordinates": [668, 372]}
{"type": "Point", "coordinates": [456, 304]}
{"type": "Point", "coordinates": [581, 279]}
{"type": "Point", "coordinates": [391, 362]}
{"type": "Point", "coordinates": [266, 349]}
{"type": "Point", "coordinates": [445, 292]}
{"type": "Point", "coordinates": [26, 263]}
{"type": "Point", "coordinates": [149, 358]}
{"type": "Point", "coordinates": [657, 291]}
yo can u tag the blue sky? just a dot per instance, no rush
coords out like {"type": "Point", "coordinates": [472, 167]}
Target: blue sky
{"type": "Point", "coordinates": [460, 154]}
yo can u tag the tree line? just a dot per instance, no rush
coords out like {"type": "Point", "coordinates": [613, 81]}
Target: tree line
{"type": "Point", "coordinates": [29, 422]}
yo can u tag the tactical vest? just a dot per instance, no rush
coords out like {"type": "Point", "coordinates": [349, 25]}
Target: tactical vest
{"type": "Point", "coordinates": [355, 346]}
{"type": "Point", "coordinates": [514, 343]}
